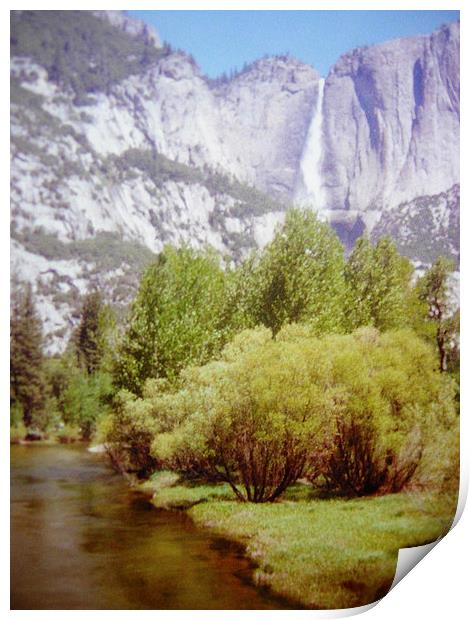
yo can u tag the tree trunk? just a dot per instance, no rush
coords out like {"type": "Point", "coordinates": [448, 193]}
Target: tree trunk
{"type": "Point", "coordinates": [441, 344]}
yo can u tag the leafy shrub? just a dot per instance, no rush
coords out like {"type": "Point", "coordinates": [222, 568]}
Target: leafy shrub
{"type": "Point", "coordinates": [245, 425]}
{"type": "Point", "coordinates": [128, 435]}
{"type": "Point", "coordinates": [16, 414]}
{"type": "Point", "coordinates": [391, 409]}
{"type": "Point", "coordinates": [355, 465]}
{"type": "Point", "coordinates": [358, 412]}
{"type": "Point", "coordinates": [77, 399]}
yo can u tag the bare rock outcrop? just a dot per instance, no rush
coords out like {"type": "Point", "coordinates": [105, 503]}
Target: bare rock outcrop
{"type": "Point", "coordinates": [391, 125]}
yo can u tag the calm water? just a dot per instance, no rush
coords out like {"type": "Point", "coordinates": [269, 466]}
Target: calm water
{"type": "Point", "coordinates": [80, 539]}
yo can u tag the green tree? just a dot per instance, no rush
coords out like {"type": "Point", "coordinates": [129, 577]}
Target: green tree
{"type": "Point", "coordinates": [434, 290]}
{"type": "Point", "coordinates": [175, 319]}
{"type": "Point", "coordinates": [27, 385]}
{"type": "Point", "coordinates": [79, 399]}
{"type": "Point", "coordinates": [85, 399]}
{"type": "Point", "coordinates": [58, 372]}
{"type": "Point", "coordinates": [89, 336]}
{"type": "Point", "coordinates": [128, 434]}
{"type": "Point", "coordinates": [237, 311]}
{"type": "Point", "coordinates": [378, 281]}
{"type": "Point", "coordinates": [298, 277]}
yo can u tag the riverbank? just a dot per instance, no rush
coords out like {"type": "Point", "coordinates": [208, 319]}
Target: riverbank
{"type": "Point", "coordinates": [20, 435]}
{"type": "Point", "coordinates": [323, 553]}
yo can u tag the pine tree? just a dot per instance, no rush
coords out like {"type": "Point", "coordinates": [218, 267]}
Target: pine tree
{"type": "Point", "coordinates": [89, 338]}
{"type": "Point", "coordinates": [27, 384]}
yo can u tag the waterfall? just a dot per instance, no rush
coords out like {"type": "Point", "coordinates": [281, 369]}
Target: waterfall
{"type": "Point", "coordinates": [311, 190]}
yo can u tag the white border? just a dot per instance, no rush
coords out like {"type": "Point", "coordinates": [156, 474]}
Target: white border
{"type": "Point", "coordinates": [439, 585]}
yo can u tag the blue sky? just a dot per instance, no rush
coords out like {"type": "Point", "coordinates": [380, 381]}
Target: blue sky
{"type": "Point", "coordinates": [224, 40]}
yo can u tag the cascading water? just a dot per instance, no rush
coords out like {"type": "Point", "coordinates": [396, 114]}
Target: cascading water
{"type": "Point", "coordinates": [310, 191]}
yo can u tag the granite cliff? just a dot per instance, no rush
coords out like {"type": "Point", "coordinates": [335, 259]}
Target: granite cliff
{"type": "Point", "coordinates": [119, 145]}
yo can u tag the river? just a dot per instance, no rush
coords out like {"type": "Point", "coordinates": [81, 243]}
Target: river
{"type": "Point", "coordinates": [81, 539]}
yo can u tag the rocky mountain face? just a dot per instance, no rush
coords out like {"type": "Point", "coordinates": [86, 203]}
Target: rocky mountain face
{"type": "Point", "coordinates": [120, 145]}
{"type": "Point", "coordinates": [391, 125]}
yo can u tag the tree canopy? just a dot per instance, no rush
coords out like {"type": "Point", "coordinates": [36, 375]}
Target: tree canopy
{"type": "Point", "coordinates": [358, 411]}
{"type": "Point", "coordinates": [174, 320]}
{"type": "Point", "coordinates": [378, 281]}
{"type": "Point", "coordinates": [27, 385]}
{"type": "Point", "coordinates": [299, 276]}
{"type": "Point", "coordinates": [434, 290]}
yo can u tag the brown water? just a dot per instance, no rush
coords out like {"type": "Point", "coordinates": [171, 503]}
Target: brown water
{"type": "Point", "coordinates": [81, 539]}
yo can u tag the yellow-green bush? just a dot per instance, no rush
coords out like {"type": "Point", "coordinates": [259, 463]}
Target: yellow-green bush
{"type": "Point", "coordinates": [361, 412]}
{"type": "Point", "coordinates": [392, 408]}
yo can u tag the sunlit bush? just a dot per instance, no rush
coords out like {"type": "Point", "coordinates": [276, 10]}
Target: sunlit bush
{"type": "Point", "coordinates": [392, 409]}
{"type": "Point", "coordinates": [359, 413]}
{"type": "Point", "coordinates": [254, 416]}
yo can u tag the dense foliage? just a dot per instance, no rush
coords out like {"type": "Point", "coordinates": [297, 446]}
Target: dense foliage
{"type": "Point", "coordinates": [174, 320]}
{"type": "Point", "coordinates": [294, 363]}
{"type": "Point", "coordinates": [243, 422]}
{"type": "Point", "coordinates": [355, 413]}
{"type": "Point", "coordinates": [299, 277]}
{"type": "Point", "coordinates": [128, 435]}
{"type": "Point", "coordinates": [89, 342]}
{"type": "Point", "coordinates": [434, 291]}
{"type": "Point", "coordinates": [66, 395]}
{"type": "Point", "coordinates": [27, 385]}
{"type": "Point", "coordinates": [378, 282]}
{"type": "Point", "coordinates": [393, 407]}
{"type": "Point", "coordinates": [78, 398]}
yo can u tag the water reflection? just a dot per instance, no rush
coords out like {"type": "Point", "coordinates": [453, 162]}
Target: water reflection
{"type": "Point", "coordinates": [81, 540]}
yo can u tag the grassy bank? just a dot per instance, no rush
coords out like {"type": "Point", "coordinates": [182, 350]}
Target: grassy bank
{"type": "Point", "coordinates": [324, 554]}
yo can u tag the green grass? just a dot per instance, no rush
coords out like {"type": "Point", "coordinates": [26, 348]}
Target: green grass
{"type": "Point", "coordinates": [177, 497]}
{"type": "Point", "coordinates": [321, 553]}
